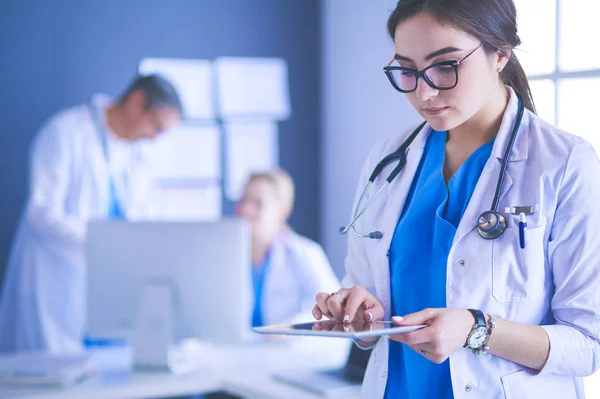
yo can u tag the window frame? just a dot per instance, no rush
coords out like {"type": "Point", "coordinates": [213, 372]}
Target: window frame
{"type": "Point", "coordinates": [559, 75]}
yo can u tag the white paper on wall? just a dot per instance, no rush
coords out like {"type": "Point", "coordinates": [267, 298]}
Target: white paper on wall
{"type": "Point", "coordinates": [249, 87]}
{"type": "Point", "coordinates": [250, 147]}
{"type": "Point", "coordinates": [192, 79]}
{"type": "Point", "coordinates": [191, 203]}
{"type": "Point", "coordinates": [187, 152]}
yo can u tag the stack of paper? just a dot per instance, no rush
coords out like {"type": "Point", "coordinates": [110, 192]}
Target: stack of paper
{"type": "Point", "coordinates": [251, 147]}
{"type": "Point", "coordinates": [253, 88]}
{"type": "Point", "coordinates": [45, 369]}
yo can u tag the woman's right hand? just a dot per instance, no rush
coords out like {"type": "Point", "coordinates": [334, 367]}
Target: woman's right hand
{"type": "Point", "coordinates": [347, 305]}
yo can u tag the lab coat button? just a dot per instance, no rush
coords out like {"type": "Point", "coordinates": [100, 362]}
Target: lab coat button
{"type": "Point", "coordinates": [468, 388]}
{"type": "Point", "coordinates": [462, 262]}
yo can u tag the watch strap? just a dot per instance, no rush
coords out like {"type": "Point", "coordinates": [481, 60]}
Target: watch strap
{"type": "Point", "coordinates": [479, 317]}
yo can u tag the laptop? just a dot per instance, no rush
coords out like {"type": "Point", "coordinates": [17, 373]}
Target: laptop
{"type": "Point", "coordinates": [333, 383]}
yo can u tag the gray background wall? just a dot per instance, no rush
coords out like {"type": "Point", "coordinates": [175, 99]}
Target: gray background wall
{"type": "Point", "coordinates": [359, 106]}
{"type": "Point", "coordinates": [57, 53]}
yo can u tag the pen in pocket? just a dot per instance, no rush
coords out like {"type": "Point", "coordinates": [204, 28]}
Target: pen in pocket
{"type": "Point", "coordinates": [522, 227]}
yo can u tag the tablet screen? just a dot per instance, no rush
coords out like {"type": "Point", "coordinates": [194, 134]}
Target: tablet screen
{"type": "Point", "coordinates": [332, 325]}
{"type": "Point", "coordinates": [356, 329]}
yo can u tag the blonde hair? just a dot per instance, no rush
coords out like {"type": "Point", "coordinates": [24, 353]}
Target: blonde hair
{"type": "Point", "coordinates": [282, 183]}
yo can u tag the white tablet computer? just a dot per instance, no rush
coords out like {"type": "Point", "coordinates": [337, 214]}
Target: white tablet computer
{"type": "Point", "coordinates": [332, 328]}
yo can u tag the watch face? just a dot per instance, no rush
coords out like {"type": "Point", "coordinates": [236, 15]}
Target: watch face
{"type": "Point", "coordinates": [477, 337]}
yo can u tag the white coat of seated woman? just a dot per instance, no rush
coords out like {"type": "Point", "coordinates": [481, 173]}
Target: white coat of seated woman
{"type": "Point", "coordinates": [287, 268]}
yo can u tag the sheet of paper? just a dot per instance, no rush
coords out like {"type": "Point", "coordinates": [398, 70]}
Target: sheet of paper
{"type": "Point", "coordinates": [192, 79]}
{"type": "Point", "coordinates": [187, 152]}
{"type": "Point", "coordinates": [186, 203]}
{"type": "Point", "coordinates": [253, 87]}
{"type": "Point", "coordinates": [250, 147]}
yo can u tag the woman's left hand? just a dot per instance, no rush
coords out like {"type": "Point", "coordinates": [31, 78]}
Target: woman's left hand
{"type": "Point", "coordinates": [446, 332]}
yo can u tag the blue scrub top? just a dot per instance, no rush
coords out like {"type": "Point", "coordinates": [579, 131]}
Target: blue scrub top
{"type": "Point", "coordinates": [258, 279]}
{"type": "Point", "coordinates": [418, 256]}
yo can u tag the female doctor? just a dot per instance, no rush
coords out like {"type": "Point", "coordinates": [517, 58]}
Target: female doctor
{"type": "Point", "coordinates": [287, 268]}
{"type": "Point", "coordinates": [489, 235]}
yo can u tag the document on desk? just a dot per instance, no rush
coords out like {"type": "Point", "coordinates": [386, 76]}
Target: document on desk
{"type": "Point", "coordinates": [45, 369]}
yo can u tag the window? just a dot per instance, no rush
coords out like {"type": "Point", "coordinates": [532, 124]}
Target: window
{"type": "Point", "coordinates": [560, 56]}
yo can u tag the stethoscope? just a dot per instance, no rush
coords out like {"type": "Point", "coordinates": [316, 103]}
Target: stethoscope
{"type": "Point", "coordinates": [490, 224]}
{"type": "Point", "coordinates": [103, 136]}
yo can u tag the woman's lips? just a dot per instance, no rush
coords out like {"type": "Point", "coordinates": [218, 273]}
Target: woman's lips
{"type": "Point", "coordinates": [434, 111]}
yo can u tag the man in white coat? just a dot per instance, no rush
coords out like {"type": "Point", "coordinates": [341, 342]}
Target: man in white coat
{"type": "Point", "coordinates": [86, 164]}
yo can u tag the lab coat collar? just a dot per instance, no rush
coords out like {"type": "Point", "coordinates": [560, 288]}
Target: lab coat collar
{"type": "Point", "coordinates": [482, 197]}
{"type": "Point", "coordinates": [101, 101]}
{"type": "Point", "coordinates": [520, 148]}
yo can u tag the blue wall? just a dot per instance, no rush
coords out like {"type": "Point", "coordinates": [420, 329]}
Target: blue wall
{"type": "Point", "coordinates": [56, 54]}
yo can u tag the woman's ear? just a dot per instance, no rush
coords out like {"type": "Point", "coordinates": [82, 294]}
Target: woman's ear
{"type": "Point", "coordinates": [502, 58]}
{"type": "Point", "coordinates": [284, 217]}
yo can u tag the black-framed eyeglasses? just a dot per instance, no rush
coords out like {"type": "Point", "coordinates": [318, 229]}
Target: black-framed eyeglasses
{"type": "Point", "coordinates": [441, 75]}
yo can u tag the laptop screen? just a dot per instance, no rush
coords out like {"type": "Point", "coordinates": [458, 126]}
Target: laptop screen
{"type": "Point", "coordinates": [356, 364]}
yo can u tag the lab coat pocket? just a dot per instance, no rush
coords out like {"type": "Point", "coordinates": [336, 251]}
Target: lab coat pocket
{"type": "Point", "coordinates": [527, 384]}
{"type": "Point", "coordinates": [518, 273]}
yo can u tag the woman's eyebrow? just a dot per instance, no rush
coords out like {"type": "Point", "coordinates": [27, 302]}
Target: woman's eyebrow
{"type": "Point", "coordinates": [445, 50]}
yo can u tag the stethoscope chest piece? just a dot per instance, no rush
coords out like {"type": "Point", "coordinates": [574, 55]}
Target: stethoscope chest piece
{"type": "Point", "coordinates": [491, 224]}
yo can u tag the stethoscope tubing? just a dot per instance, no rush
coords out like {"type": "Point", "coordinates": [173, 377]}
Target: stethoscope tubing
{"type": "Point", "coordinates": [401, 154]}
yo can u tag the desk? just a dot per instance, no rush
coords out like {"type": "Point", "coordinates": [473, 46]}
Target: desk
{"type": "Point", "coordinates": [133, 386]}
{"type": "Point", "coordinates": [261, 386]}
{"type": "Point", "coordinates": [237, 369]}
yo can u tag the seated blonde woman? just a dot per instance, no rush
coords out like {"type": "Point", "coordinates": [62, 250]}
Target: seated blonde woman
{"type": "Point", "coordinates": [287, 268]}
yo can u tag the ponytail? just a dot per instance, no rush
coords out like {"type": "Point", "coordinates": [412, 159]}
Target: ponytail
{"type": "Point", "coordinates": [515, 77]}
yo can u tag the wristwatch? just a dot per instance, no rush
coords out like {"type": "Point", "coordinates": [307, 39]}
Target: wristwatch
{"type": "Point", "coordinates": [479, 334]}
{"type": "Point", "coordinates": [486, 346]}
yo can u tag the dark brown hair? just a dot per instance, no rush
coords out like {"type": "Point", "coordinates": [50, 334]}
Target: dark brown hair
{"type": "Point", "coordinates": [493, 22]}
{"type": "Point", "coordinates": [158, 92]}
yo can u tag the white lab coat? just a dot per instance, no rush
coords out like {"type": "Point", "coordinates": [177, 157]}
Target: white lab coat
{"type": "Point", "coordinates": [298, 269]}
{"type": "Point", "coordinates": [554, 282]}
{"type": "Point", "coordinates": [43, 298]}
